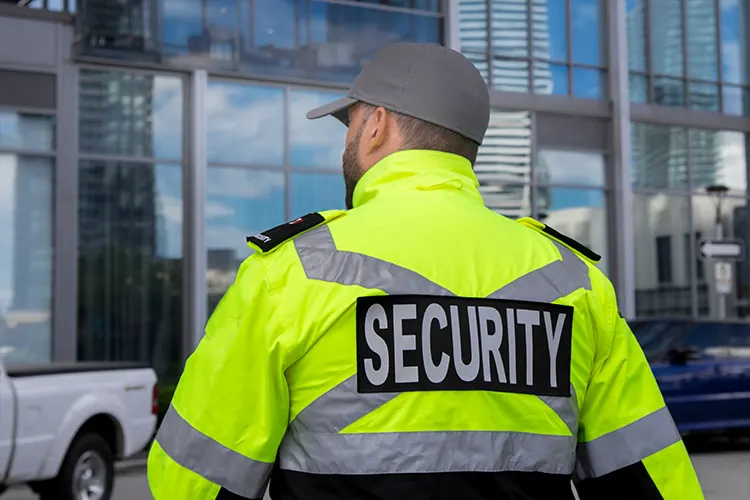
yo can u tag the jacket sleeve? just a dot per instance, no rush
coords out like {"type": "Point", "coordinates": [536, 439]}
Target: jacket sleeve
{"type": "Point", "coordinates": [629, 446]}
{"type": "Point", "coordinates": [220, 435]}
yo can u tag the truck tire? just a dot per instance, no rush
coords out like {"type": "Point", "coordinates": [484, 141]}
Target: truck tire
{"type": "Point", "coordinates": [87, 472]}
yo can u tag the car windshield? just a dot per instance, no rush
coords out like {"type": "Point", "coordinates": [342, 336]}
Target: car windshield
{"type": "Point", "coordinates": [656, 337]}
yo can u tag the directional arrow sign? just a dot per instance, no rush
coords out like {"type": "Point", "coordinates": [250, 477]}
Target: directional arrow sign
{"type": "Point", "coordinates": [730, 249]}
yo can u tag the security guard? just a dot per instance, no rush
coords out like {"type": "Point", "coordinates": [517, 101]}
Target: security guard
{"type": "Point", "coordinates": [419, 345]}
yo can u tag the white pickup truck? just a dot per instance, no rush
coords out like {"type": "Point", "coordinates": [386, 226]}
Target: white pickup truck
{"type": "Point", "coordinates": [62, 426]}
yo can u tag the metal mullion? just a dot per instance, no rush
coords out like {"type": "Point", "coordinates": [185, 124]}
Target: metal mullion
{"type": "Point", "coordinates": [532, 167]}
{"type": "Point", "coordinates": [381, 7]}
{"type": "Point", "coordinates": [685, 55]}
{"type": "Point", "coordinates": [573, 65]}
{"type": "Point", "coordinates": [565, 185]}
{"type": "Point", "coordinates": [246, 166]}
{"type": "Point", "coordinates": [29, 110]}
{"type": "Point", "coordinates": [720, 55]}
{"type": "Point", "coordinates": [490, 48]}
{"type": "Point", "coordinates": [649, 191]}
{"type": "Point", "coordinates": [647, 50]}
{"type": "Point", "coordinates": [28, 152]}
{"type": "Point", "coordinates": [530, 46]}
{"type": "Point", "coordinates": [569, 45]}
{"type": "Point", "coordinates": [287, 169]}
{"type": "Point", "coordinates": [137, 67]}
{"type": "Point", "coordinates": [146, 160]}
{"type": "Point", "coordinates": [691, 230]}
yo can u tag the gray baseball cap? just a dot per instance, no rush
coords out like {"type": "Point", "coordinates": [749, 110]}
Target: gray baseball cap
{"type": "Point", "coordinates": [425, 81]}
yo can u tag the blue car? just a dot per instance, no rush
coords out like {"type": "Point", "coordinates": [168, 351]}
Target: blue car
{"type": "Point", "coordinates": [703, 369]}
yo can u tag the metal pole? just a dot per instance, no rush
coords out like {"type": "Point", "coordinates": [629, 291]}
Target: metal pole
{"type": "Point", "coordinates": [621, 162]}
{"type": "Point", "coordinates": [721, 300]}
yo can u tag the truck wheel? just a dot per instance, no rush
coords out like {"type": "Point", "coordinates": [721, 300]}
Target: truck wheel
{"type": "Point", "coordinates": [87, 473]}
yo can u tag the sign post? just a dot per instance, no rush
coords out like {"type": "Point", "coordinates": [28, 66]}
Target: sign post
{"type": "Point", "coordinates": [723, 277]}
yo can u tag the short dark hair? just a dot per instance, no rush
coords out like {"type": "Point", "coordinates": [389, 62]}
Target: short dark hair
{"type": "Point", "coordinates": [419, 134]}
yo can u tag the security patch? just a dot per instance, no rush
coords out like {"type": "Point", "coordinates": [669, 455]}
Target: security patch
{"type": "Point", "coordinates": [435, 343]}
{"type": "Point", "coordinates": [271, 238]}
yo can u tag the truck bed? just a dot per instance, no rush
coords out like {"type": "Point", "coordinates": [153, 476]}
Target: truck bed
{"type": "Point", "coordinates": [36, 370]}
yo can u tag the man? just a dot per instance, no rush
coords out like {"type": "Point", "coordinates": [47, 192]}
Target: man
{"type": "Point", "coordinates": [418, 346]}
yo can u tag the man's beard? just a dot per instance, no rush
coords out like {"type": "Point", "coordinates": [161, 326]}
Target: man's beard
{"type": "Point", "coordinates": [352, 168]}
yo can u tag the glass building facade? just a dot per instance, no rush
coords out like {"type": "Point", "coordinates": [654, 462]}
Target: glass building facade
{"type": "Point", "coordinates": [142, 140]}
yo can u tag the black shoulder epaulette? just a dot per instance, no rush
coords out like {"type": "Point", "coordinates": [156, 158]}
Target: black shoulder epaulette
{"type": "Point", "coordinates": [578, 247]}
{"type": "Point", "coordinates": [271, 238]}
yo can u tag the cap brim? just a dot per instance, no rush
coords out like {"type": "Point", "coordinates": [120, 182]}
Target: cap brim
{"type": "Point", "coordinates": [338, 109]}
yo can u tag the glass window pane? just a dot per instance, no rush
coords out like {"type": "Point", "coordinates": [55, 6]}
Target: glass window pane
{"type": "Point", "coordinates": [549, 21]}
{"type": "Point", "coordinates": [719, 157]}
{"type": "Point", "coordinates": [550, 78]}
{"type": "Point", "coordinates": [130, 114]}
{"type": "Point", "coordinates": [638, 88]}
{"type": "Point", "coordinates": [472, 26]}
{"type": "Point", "coordinates": [586, 28]}
{"type": "Point", "coordinates": [659, 157]}
{"type": "Point", "coordinates": [245, 124]}
{"type": "Point", "coordinates": [510, 20]}
{"type": "Point", "coordinates": [511, 201]}
{"type": "Point", "coordinates": [239, 202]}
{"type": "Point", "coordinates": [578, 213]}
{"type": "Point", "coordinates": [315, 192]}
{"type": "Point", "coordinates": [343, 36]}
{"type": "Point", "coordinates": [736, 214]}
{"type": "Point", "coordinates": [26, 131]}
{"type": "Point", "coordinates": [503, 164]}
{"type": "Point", "coordinates": [510, 75]}
{"type": "Point", "coordinates": [736, 100]}
{"type": "Point", "coordinates": [666, 37]}
{"type": "Point", "coordinates": [587, 83]}
{"type": "Point", "coordinates": [292, 38]}
{"type": "Point", "coordinates": [702, 50]}
{"type": "Point", "coordinates": [735, 26]}
{"type": "Point", "coordinates": [663, 287]}
{"type": "Point", "coordinates": [130, 267]}
{"type": "Point", "coordinates": [635, 10]}
{"type": "Point", "coordinates": [570, 167]}
{"type": "Point", "coordinates": [26, 247]}
{"type": "Point", "coordinates": [704, 96]}
{"type": "Point", "coordinates": [318, 143]}
{"type": "Point", "coordinates": [669, 92]}
{"type": "Point", "coordinates": [481, 62]}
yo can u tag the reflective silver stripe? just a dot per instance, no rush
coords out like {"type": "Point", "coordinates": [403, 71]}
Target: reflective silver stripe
{"type": "Point", "coordinates": [213, 461]}
{"type": "Point", "coordinates": [566, 409]}
{"type": "Point", "coordinates": [322, 261]}
{"type": "Point", "coordinates": [342, 405]}
{"type": "Point", "coordinates": [404, 452]}
{"type": "Point", "coordinates": [627, 445]}
{"type": "Point", "coordinates": [551, 282]}
{"type": "Point", "coordinates": [338, 408]}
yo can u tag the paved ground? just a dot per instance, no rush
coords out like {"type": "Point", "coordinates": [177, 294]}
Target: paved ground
{"type": "Point", "coordinates": [723, 467]}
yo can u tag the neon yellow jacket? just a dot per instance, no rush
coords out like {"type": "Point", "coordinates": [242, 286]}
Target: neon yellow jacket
{"type": "Point", "coordinates": [314, 367]}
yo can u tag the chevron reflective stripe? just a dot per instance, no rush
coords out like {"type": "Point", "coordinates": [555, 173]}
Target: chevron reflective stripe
{"type": "Point", "coordinates": [627, 445]}
{"type": "Point", "coordinates": [313, 442]}
{"type": "Point", "coordinates": [211, 460]}
{"type": "Point", "coordinates": [414, 452]}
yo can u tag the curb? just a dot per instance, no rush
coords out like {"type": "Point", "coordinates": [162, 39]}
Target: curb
{"type": "Point", "coordinates": [136, 464]}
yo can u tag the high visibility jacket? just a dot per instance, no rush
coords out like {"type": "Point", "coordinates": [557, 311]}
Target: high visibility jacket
{"type": "Point", "coordinates": [418, 346]}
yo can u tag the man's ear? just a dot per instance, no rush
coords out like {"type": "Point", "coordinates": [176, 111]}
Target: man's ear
{"type": "Point", "coordinates": [376, 130]}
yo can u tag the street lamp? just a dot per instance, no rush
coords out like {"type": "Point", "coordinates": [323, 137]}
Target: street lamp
{"type": "Point", "coordinates": [718, 193]}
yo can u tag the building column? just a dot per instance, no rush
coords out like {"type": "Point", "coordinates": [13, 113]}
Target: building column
{"type": "Point", "coordinates": [65, 232]}
{"type": "Point", "coordinates": [194, 210]}
{"type": "Point", "coordinates": [450, 24]}
{"type": "Point", "coordinates": [619, 90]}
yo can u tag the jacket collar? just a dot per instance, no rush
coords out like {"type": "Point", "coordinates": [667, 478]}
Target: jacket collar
{"type": "Point", "coordinates": [416, 170]}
